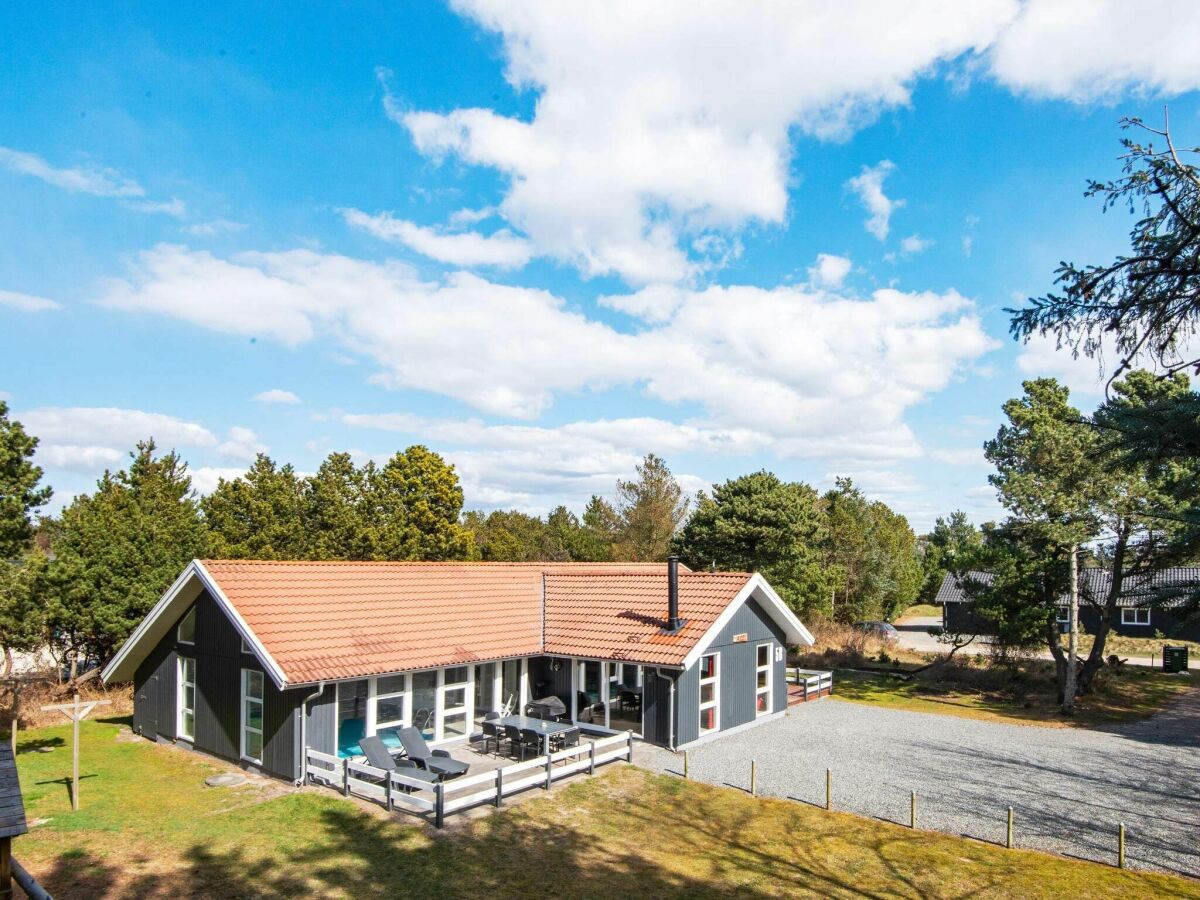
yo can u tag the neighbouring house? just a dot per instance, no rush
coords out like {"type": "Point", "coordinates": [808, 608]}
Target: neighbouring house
{"type": "Point", "coordinates": [1140, 611]}
{"type": "Point", "coordinates": [255, 661]}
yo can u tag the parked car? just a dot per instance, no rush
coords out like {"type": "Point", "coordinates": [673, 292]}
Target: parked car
{"type": "Point", "coordinates": [884, 631]}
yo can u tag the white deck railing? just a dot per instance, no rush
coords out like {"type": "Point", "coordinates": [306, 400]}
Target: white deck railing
{"type": "Point", "coordinates": [395, 790]}
{"type": "Point", "coordinates": [814, 681]}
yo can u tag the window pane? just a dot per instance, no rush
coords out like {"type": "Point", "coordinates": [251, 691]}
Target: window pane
{"type": "Point", "coordinates": [707, 692]}
{"type": "Point", "coordinates": [763, 675]}
{"type": "Point", "coordinates": [253, 745]}
{"type": "Point", "coordinates": [390, 684]}
{"type": "Point", "coordinates": [189, 668]}
{"type": "Point", "coordinates": [189, 696]}
{"type": "Point", "coordinates": [454, 726]}
{"type": "Point", "coordinates": [254, 683]}
{"type": "Point", "coordinates": [456, 698]}
{"type": "Point", "coordinates": [764, 654]}
{"type": "Point", "coordinates": [187, 626]}
{"type": "Point", "coordinates": [389, 710]}
{"type": "Point", "coordinates": [457, 675]}
{"type": "Point", "coordinates": [708, 719]}
{"type": "Point", "coordinates": [763, 699]}
{"type": "Point", "coordinates": [254, 714]}
{"type": "Point", "coordinates": [189, 725]}
{"type": "Point", "coordinates": [708, 666]}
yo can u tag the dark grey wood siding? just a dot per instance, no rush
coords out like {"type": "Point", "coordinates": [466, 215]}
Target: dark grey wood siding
{"type": "Point", "coordinates": [219, 663]}
{"type": "Point", "coordinates": [737, 669]}
{"type": "Point", "coordinates": [656, 699]}
{"type": "Point", "coordinates": [544, 681]}
{"type": "Point", "coordinates": [961, 617]}
{"type": "Point", "coordinates": [322, 716]}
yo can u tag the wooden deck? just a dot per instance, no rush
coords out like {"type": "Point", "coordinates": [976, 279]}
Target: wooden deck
{"type": "Point", "coordinates": [808, 684]}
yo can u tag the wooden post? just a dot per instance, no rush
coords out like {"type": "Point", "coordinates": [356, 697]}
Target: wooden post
{"type": "Point", "coordinates": [828, 789]}
{"type": "Point", "coordinates": [1121, 846]}
{"type": "Point", "coordinates": [439, 808]}
{"type": "Point", "coordinates": [6, 890]}
{"type": "Point", "coordinates": [499, 787]}
{"type": "Point", "coordinates": [629, 737]}
{"type": "Point", "coordinates": [76, 711]}
{"type": "Point", "coordinates": [549, 776]}
{"type": "Point", "coordinates": [387, 792]}
{"type": "Point", "coordinates": [346, 777]}
{"type": "Point", "coordinates": [685, 764]}
{"type": "Point", "coordinates": [591, 757]}
{"type": "Point", "coordinates": [912, 813]}
{"type": "Point", "coordinates": [1008, 840]}
{"type": "Point", "coordinates": [753, 777]}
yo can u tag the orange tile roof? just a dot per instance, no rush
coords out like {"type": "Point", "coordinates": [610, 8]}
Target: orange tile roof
{"type": "Point", "coordinates": [323, 621]}
{"type": "Point", "coordinates": [620, 616]}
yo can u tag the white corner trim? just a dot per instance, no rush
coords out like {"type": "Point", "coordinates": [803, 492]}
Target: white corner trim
{"type": "Point", "coordinates": [247, 635]}
{"type": "Point", "coordinates": [794, 630]}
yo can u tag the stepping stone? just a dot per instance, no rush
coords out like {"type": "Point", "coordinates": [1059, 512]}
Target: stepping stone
{"type": "Point", "coordinates": [227, 779]}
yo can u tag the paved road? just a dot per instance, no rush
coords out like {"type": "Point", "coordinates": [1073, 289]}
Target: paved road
{"type": "Point", "coordinates": [914, 635]}
{"type": "Point", "coordinates": [1069, 787]}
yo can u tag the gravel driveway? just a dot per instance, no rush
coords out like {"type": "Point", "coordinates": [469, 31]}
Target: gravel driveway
{"type": "Point", "coordinates": [1069, 788]}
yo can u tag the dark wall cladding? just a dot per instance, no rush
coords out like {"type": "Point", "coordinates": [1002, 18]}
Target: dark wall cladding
{"type": "Point", "coordinates": [219, 663]}
{"type": "Point", "coordinates": [737, 670]}
{"type": "Point", "coordinates": [961, 617]}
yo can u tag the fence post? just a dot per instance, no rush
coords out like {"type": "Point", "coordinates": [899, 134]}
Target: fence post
{"type": "Point", "coordinates": [1121, 846]}
{"type": "Point", "coordinates": [912, 815]}
{"type": "Point", "coordinates": [591, 757]}
{"type": "Point", "coordinates": [1008, 841]}
{"type": "Point", "coordinates": [387, 792]}
{"type": "Point", "coordinates": [499, 787]}
{"type": "Point", "coordinates": [346, 777]}
{"type": "Point", "coordinates": [629, 738]}
{"type": "Point", "coordinates": [549, 777]}
{"type": "Point", "coordinates": [685, 764]}
{"type": "Point", "coordinates": [753, 778]}
{"type": "Point", "coordinates": [439, 800]}
{"type": "Point", "coordinates": [828, 789]}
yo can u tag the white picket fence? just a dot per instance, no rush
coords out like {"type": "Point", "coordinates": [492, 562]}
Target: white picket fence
{"type": "Point", "coordinates": [397, 791]}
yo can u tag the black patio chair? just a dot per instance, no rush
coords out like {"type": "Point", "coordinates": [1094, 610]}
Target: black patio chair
{"type": "Point", "coordinates": [439, 762]}
{"type": "Point", "coordinates": [565, 739]}
{"type": "Point", "coordinates": [513, 735]}
{"type": "Point", "coordinates": [528, 739]}
{"type": "Point", "coordinates": [492, 732]}
{"type": "Point", "coordinates": [378, 756]}
{"type": "Point", "coordinates": [484, 735]}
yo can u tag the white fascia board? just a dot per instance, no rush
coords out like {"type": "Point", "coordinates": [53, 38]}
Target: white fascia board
{"type": "Point", "coordinates": [119, 667]}
{"type": "Point", "coordinates": [268, 661]}
{"type": "Point", "coordinates": [159, 608]}
{"type": "Point", "coordinates": [757, 587]}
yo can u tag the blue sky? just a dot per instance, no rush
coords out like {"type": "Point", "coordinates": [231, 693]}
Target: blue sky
{"type": "Point", "coordinates": [546, 241]}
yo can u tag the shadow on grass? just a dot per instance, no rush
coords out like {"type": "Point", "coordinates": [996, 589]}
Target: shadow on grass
{"type": "Point", "coordinates": [31, 746]}
{"type": "Point", "coordinates": [117, 720]}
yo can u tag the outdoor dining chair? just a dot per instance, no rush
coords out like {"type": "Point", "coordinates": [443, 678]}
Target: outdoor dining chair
{"type": "Point", "coordinates": [486, 733]}
{"type": "Point", "coordinates": [528, 739]}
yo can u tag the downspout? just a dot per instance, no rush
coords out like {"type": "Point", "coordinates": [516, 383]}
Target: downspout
{"type": "Point", "coordinates": [670, 709]}
{"type": "Point", "coordinates": [304, 730]}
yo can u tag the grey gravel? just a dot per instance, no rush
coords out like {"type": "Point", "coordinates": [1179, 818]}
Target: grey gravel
{"type": "Point", "coordinates": [1069, 788]}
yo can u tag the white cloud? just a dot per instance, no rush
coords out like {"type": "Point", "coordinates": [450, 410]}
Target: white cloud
{"type": "Point", "coordinates": [868, 187]}
{"type": "Point", "coordinates": [26, 302]}
{"type": "Point", "coordinates": [1040, 357]}
{"type": "Point", "coordinates": [829, 271]}
{"type": "Point", "coordinates": [914, 243]}
{"type": "Point", "coordinates": [86, 439]}
{"type": "Point", "coordinates": [277, 395]}
{"type": "Point", "coordinates": [215, 227]}
{"type": "Point", "coordinates": [174, 207]}
{"type": "Point", "coordinates": [241, 444]}
{"type": "Point", "coordinates": [1084, 50]}
{"type": "Point", "coordinates": [643, 138]}
{"type": "Point", "coordinates": [206, 478]}
{"type": "Point", "coordinates": [110, 426]}
{"type": "Point", "coordinates": [502, 249]}
{"type": "Point", "coordinates": [964, 456]}
{"type": "Point", "coordinates": [88, 179]}
{"type": "Point", "coordinates": [821, 373]}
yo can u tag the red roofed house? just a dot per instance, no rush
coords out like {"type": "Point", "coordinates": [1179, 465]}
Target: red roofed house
{"type": "Point", "coordinates": [254, 661]}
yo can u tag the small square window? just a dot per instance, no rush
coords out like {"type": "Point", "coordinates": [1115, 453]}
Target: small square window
{"type": "Point", "coordinates": [1133, 616]}
{"type": "Point", "coordinates": [764, 654]}
{"type": "Point", "coordinates": [186, 633]}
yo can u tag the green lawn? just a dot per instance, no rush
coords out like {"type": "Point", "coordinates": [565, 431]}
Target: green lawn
{"type": "Point", "coordinates": [1135, 694]}
{"type": "Point", "coordinates": [921, 609]}
{"type": "Point", "coordinates": [148, 828]}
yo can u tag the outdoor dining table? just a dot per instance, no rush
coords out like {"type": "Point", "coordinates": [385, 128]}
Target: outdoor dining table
{"type": "Point", "coordinates": [545, 728]}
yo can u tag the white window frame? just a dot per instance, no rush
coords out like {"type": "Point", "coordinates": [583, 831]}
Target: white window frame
{"type": "Point", "coordinates": [715, 703]}
{"type": "Point", "coordinates": [1137, 611]}
{"type": "Point", "coordinates": [181, 693]}
{"type": "Point", "coordinates": [769, 689]}
{"type": "Point", "coordinates": [441, 714]}
{"type": "Point", "coordinates": [373, 724]}
{"type": "Point", "coordinates": [246, 726]}
{"type": "Point", "coordinates": [191, 614]}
